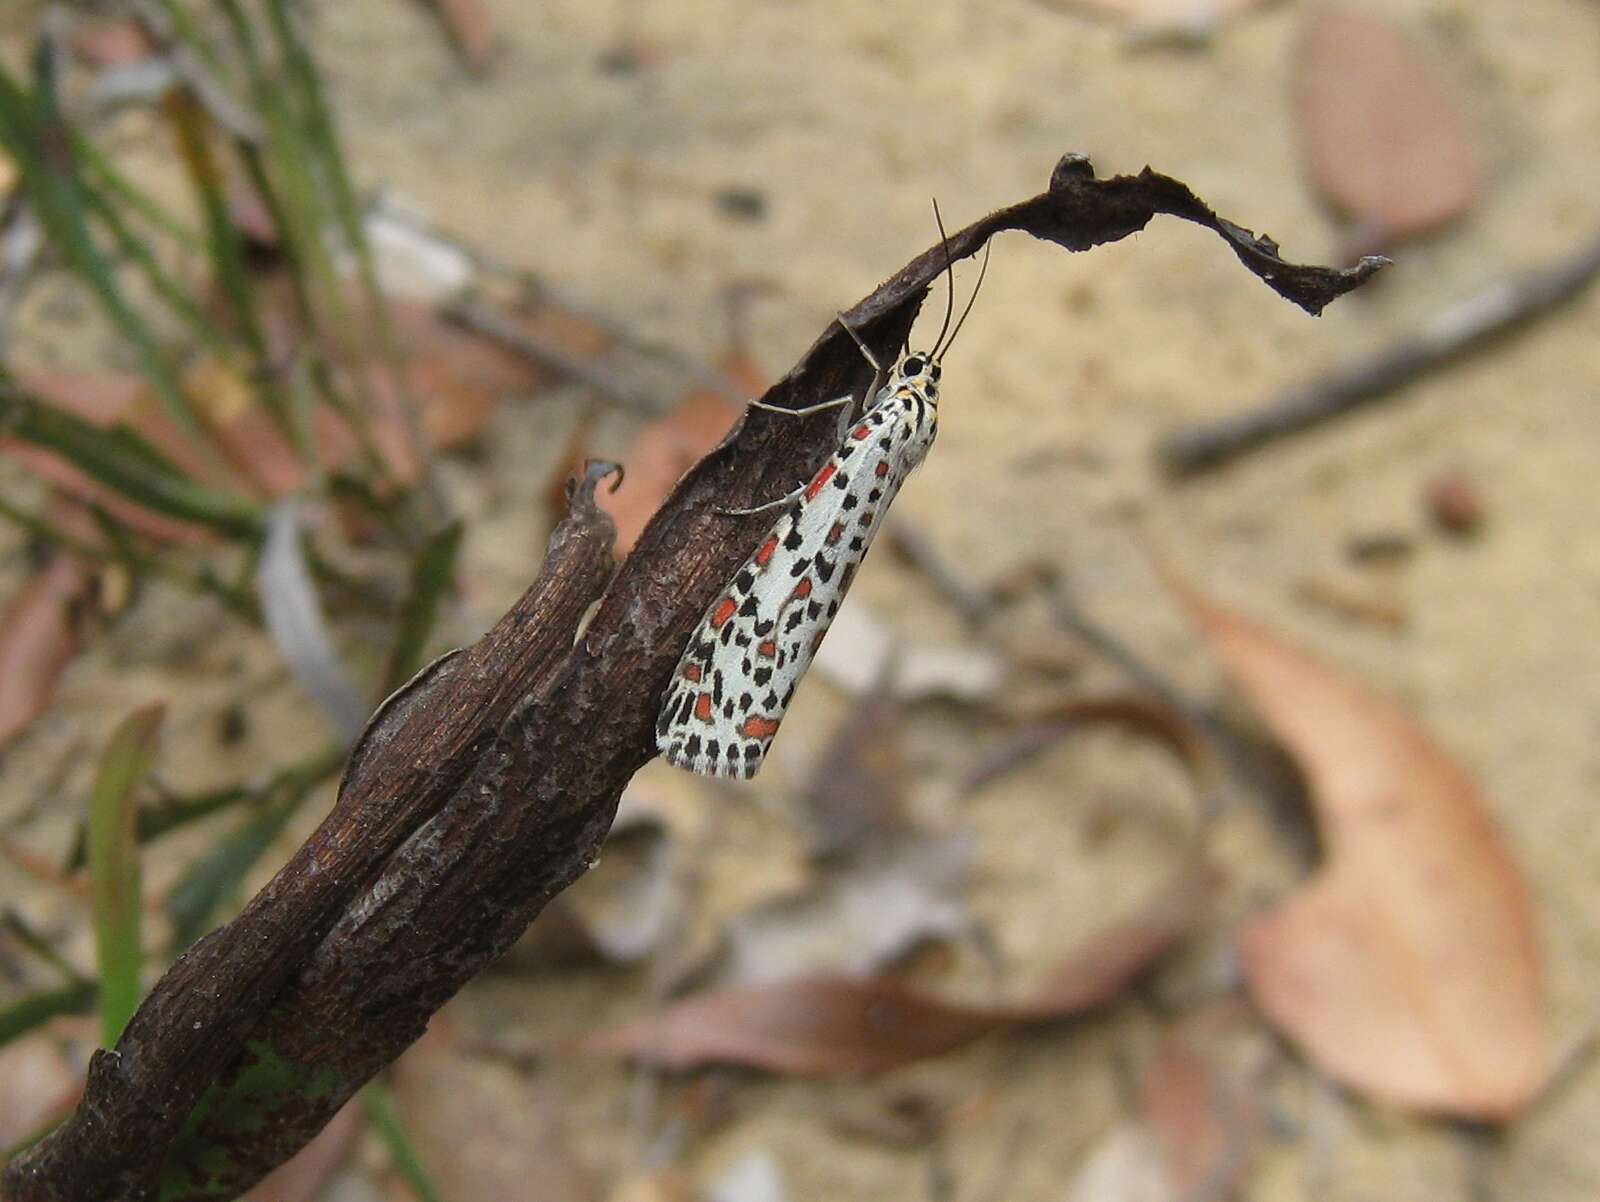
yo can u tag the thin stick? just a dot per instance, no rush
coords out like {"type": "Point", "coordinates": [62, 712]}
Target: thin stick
{"type": "Point", "coordinates": [1462, 327]}
{"type": "Point", "coordinates": [481, 319]}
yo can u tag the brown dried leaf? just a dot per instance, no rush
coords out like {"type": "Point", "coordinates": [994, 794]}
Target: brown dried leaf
{"type": "Point", "coordinates": [862, 916]}
{"type": "Point", "coordinates": [659, 456]}
{"type": "Point", "coordinates": [834, 1025]}
{"type": "Point", "coordinates": [1206, 1123]}
{"type": "Point", "coordinates": [105, 400]}
{"type": "Point", "coordinates": [38, 638]}
{"type": "Point", "coordinates": [1383, 139]}
{"type": "Point", "coordinates": [1407, 967]}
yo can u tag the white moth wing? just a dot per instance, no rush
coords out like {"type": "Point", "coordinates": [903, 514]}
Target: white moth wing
{"type": "Point", "coordinates": [739, 671]}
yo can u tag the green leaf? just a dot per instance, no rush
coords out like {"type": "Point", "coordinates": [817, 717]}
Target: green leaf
{"type": "Point", "coordinates": [23, 1016]}
{"type": "Point", "coordinates": [431, 576]}
{"type": "Point", "coordinates": [126, 463]}
{"type": "Point", "coordinates": [34, 131]}
{"type": "Point", "coordinates": [378, 1106]}
{"type": "Point", "coordinates": [114, 865]}
{"type": "Point", "coordinates": [211, 880]}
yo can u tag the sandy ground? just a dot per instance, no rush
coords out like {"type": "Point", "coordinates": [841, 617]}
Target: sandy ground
{"type": "Point", "coordinates": [846, 118]}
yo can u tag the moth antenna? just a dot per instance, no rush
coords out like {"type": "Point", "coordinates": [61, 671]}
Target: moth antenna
{"type": "Point", "coordinates": [972, 300]}
{"type": "Point", "coordinates": [950, 274]}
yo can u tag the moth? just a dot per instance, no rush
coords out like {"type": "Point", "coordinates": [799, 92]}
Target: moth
{"type": "Point", "coordinates": [741, 666]}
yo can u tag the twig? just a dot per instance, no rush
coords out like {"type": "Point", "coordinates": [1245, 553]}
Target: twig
{"type": "Point", "coordinates": [485, 786]}
{"type": "Point", "coordinates": [912, 545]}
{"type": "Point", "coordinates": [1462, 327]}
{"type": "Point", "coordinates": [480, 318]}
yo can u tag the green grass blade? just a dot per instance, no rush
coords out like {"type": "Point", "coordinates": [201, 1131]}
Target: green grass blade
{"type": "Point", "coordinates": [324, 140]}
{"type": "Point", "coordinates": [33, 130]}
{"type": "Point", "coordinates": [178, 298]}
{"type": "Point", "coordinates": [217, 876]}
{"type": "Point", "coordinates": [294, 181]}
{"type": "Point", "coordinates": [209, 881]}
{"type": "Point", "coordinates": [36, 943]}
{"type": "Point", "coordinates": [114, 865]}
{"type": "Point", "coordinates": [126, 463]}
{"type": "Point", "coordinates": [378, 1106]}
{"type": "Point", "coordinates": [37, 1009]}
{"type": "Point", "coordinates": [431, 577]}
{"type": "Point", "coordinates": [105, 179]}
{"type": "Point", "coordinates": [223, 241]}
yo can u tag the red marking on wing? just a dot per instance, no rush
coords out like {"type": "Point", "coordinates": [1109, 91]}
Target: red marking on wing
{"type": "Point", "coordinates": [691, 672]}
{"type": "Point", "coordinates": [723, 611]}
{"type": "Point", "coordinates": [835, 534]}
{"type": "Point", "coordinates": [767, 650]}
{"type": "Point", "coordinates": [861, 432]}
{"type": "Point", "coordinates": [823, 477]}
{"type": "Point", "coordinates": [802, 590]}
{"type": "Point", "coordinates": [757, 727]}
{"type": "Point", "coordinates": [883, 467]}
{"type": "Point", "coordinates": [768, 549]}
{"type": "Point", "coordinates": [702, 707]}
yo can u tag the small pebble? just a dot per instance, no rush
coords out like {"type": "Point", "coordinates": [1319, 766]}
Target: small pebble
{"type": "Point", "coordinates": [1453, 505]}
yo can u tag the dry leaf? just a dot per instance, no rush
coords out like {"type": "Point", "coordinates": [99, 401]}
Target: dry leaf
{"type": "Point", "coordinates": [836, 1025]}
{"type": "Point", "coordinates": [1382, 138]}
{"type": "Point", "coordinates": [1407, 967]}
{"type": "Point", "coordinates": [671, 445]}
{"type": "Point", "coordinates": [659, 456]}
{"type": "Point", "coordinates": [294, 617]}
{"type": "Point", "coordinates": [38, 638]}
{"type": "Point", "coordinates": [1206, 1123]}
{"type": "Point", "coordinates": [412, 260]}
{"type": "Point", "coordinates": [103, 400]}
{"type": "Point", "coordinates": [859, 918]}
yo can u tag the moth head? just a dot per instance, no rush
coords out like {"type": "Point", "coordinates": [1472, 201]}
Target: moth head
{"type": "Point", "coordinates": [920, 370]}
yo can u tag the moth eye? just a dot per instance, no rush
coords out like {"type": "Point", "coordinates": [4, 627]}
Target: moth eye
{"type": "Point", "coordinates": [912, 366]}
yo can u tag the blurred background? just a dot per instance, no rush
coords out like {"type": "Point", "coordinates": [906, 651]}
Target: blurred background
{"type": "Point", "coordinates": [307, 312]}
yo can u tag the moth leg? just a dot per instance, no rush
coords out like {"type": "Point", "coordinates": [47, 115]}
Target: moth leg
{"type": "Point", "coordinates": [809, 409]}
{"type": "Point", "coordinates": [856, 338]}
{"type": "Point", "coordinates": [787, 499]}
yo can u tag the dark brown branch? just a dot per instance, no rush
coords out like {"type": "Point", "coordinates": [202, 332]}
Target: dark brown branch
{"type": "Point", "coordinates": [487, 784]}
{"type": "Point", "coordinates": [1463, 327]}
